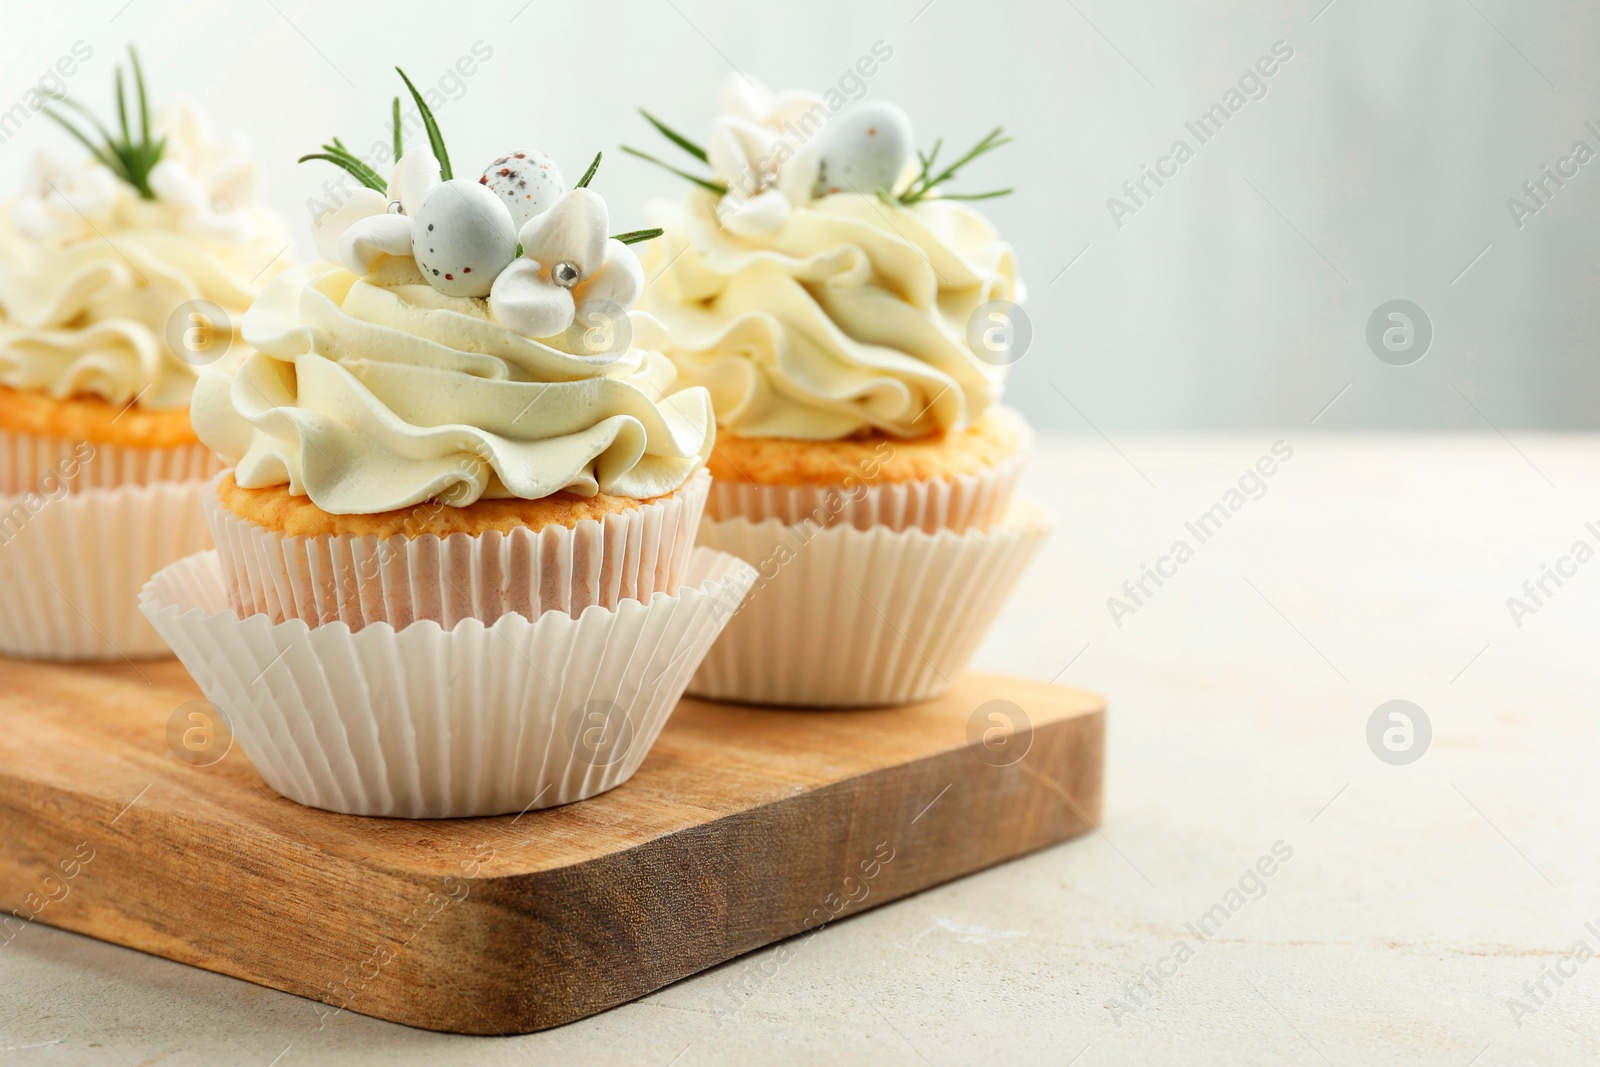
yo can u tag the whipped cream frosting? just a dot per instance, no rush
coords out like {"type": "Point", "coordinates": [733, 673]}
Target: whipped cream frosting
{"type": "Point", "coordinates": [850, 317]}
{"type": "Point", "coordinates": [821, 317]}
{"type": "Point", "coordinates": [371, 388]}
{"type": "Point", "coordinates": [91, 273]}
{"type": "Point", "coordinates": [377, 392]}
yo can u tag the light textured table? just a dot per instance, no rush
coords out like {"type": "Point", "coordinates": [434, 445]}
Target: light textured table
{"type": "Point", "coordinates": [1418, 898]}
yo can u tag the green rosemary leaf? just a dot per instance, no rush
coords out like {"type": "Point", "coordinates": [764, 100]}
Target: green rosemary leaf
{"type": "Point", "coordinates": [97, 150]}
{"type": "Point", "coordinates": [130, 159]}
{"type": "Point", "coordinates": [105, 134]}
{"type": "Point", "coordinates": [144, 102]}
{"type": "Point", "coordinates": [925, 182]}
{"type": "Point", "coordinates": [355, 165]}
{"type": "Point", "coordinates": [127, 160]}
{"type": "Point", "coordinates": [704, 183]}
{"type": "Point", "coordinates": [633, 237]}
{"type": "Point", "coordinates": [976, 196]}
{"type": "Point", "coordinates": [122, 109]}
{"type": "Point", "coordinates": [583, 182]}
{"type": "Point", "coordinates": [675, 137]}
{"type": "Point", "coordinates": [435, 138]}
{"type": "Point", "coordinates": [399, 145]}
{"type": "Point", "coordinates": [927, 163]}
{"type": "Point", "coordinates": [368, 179]}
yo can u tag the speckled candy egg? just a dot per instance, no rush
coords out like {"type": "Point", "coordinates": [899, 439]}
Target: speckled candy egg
{"type": "Point", "coordinates": [462, 238]}
{"type": "Point", "coordinates": [865, 149]}
{"type": "Point", "coordinates": [528, 183]}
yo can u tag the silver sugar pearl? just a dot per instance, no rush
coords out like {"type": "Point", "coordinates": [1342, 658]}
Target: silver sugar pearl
{"type": "Point", "coordinates": [565, 275]}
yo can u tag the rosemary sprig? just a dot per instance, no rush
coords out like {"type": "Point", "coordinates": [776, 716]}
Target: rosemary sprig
{"type": "Point", "coordinates": [633, 237]}
{"type": "Point", "coordinates": [122, 106]}
{"type": "Point", "coordinates": [129, 158]}
{"type": "Point", "coordinates": [435, 139]}
{"type": "Point", "coordinates": [588, 175]}
{"type": "Point", "coordinates": [684, 143]}
{"type": "Point", "coordinates": [336, 153]}
{"type": "Point", "coordinates": [977, 196]}
{"type": "Point", "coordinates": [144, 101]}
{"type": "Point", "coordinates": [675, 137]}
{"type": "Point", "coordinates": [357, 165]}
{"type": "Point", "coordinates": [927, 162]}
{"type": "Point", "coordinates": [357, 169]}
{"type": "Point", "coordinates": [926, 181]}
{"type": "Point", "coordinates": [704, 183]}
{"type": "Point", "coordinates": [98, 149]}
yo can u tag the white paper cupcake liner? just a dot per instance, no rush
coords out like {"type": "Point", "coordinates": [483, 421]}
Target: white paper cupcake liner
{"type": "Point", "coordinates": [965, 502]}
{"type": "Point", "coordinates": [426, 722]}
{"type": "Point", "coordinates": [841, 617]}
{"type": "Point", "coordinates": [72, 565]}
{"type": "Point", "coordinates": [29, 462]}
{"type": "Point", "coordinates": [360, 581]}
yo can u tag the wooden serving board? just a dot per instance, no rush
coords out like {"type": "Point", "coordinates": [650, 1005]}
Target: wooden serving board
{"type": "Point", "coordinates": [744, 826]}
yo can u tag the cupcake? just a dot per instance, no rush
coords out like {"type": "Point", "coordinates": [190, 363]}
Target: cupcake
{"type": "Point", "coordinates": [123, 271]}
{"type": "Point", "coordinates": [852, 319]}
{"type": "Point", "coordinates": [461, 503]}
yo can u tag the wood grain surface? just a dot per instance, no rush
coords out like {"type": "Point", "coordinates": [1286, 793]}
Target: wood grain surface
{"type": "Point", "coordinates": [744, 827]}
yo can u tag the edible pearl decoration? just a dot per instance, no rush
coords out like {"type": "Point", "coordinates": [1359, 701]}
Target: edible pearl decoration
{"type": "Point", "coordinates": [565, 275]}
{"type": "Point", "coordinates": [528, 182]}
{"type": "Point", "coordinates": [865, 149]}
{"type": "Point", "coordinates": [463, 237]}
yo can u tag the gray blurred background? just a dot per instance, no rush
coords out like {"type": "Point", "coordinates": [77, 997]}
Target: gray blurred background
{"type": "Point", "coordinates": [1376, 163]}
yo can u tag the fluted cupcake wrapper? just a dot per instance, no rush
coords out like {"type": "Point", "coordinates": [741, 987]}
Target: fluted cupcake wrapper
{"type": "Point", "coordinates": [31, 462]}
{"type": "Point", "coordinates": [427, 722]}
{"type": "Point", "coordinates": [964, 502]}
{"type": "Point", "coordinates": [360, 581]}
{"type": "Point", "coordinates": [72, 565]}
{"type": "Point", "coordinates": [841, 617]}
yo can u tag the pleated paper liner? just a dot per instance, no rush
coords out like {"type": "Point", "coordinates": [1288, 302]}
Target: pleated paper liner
{"type": "Point", "coordinates": [965, 502]}
{"type": "Point", "coordinates": [427, 722]}
{"type": "Point", "coordinates": [841, 617]}
{"type": "Point", "coordinates": [72, 565]}
{"type": "Point", "coordinates": [51, 465]}
{"type": "Point", "coordinates": [360, 581]}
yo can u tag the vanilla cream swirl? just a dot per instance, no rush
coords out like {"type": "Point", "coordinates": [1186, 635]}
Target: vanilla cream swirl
{"type": "Point", "coordinates": [375, 393]}
{"type": "Point", "coordinates": [89, 315]}
{"type": "Point", "coordinates": [850, 317]}
{"type": "Point", "coordinates": [92, 273]}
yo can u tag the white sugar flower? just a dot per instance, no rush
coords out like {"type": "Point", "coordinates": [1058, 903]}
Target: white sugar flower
{"type": "Point", "coordinates": [569, 268]}
{"type": "Point", "coordinates": [764, 150]}
{"type": "Point", "coordinates": [66, 193]}
{"type": "Point", "coordinates": [742, 97]}
{"type": "Point", "coordinates": [362, 228]}
{"type": "Point", "coordinates": [210, 184]}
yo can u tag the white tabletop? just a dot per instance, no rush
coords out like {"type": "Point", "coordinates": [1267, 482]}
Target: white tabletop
{"type": "Point", "coordinates": [1418, 898]}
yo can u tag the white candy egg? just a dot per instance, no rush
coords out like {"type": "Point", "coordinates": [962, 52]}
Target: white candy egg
{"type": "Point", "coordinates": [865, 149]}
{"type": "Point", "coordinates": [529, 182]}
{"type": "Point", "coordinates": [462, 238]}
